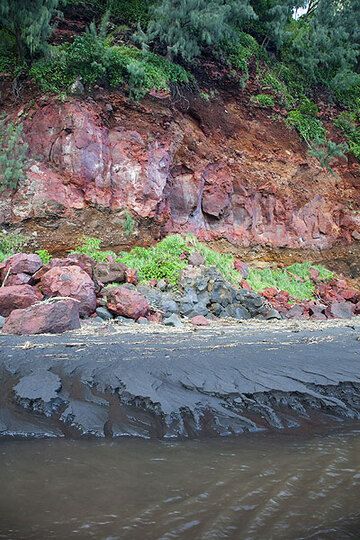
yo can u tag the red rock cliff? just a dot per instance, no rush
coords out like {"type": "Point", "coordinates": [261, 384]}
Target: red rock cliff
{"type": "Point", "coordinates": [219, 170]}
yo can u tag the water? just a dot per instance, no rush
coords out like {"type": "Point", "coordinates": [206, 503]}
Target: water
{"type": "Point", "coordinates": [259, 487]}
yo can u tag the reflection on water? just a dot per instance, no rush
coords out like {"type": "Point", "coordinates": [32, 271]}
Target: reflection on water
{"type": "Point", "coordinates": [257, 487]}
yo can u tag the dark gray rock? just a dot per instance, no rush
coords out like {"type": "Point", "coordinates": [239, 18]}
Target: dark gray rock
{"type": "Point", "coordinates": [272, 314]}
{"type": "Point", "coordinates": [198, 309]}
{"type": "Point", "coordinates": [162, 285]}
{"type": "Point", "coordinates": [104, 313]}
{"type": "Point", "coordinates": [185, 308]}
{"type": "Point", "coordinates": [237, 311]}
{"type": "Point", "coordinates": [222, 294]}
{"type": "Point", "coordinates": [143, 320]}
{"type": "Point", "coordinates": [168, 305]}
{"type": "Point", "coordinates": [124, 320]}
{"type": "Point", "coordinates": [2, 321]}
{"type": "Point", "coordinates": [173, 320]}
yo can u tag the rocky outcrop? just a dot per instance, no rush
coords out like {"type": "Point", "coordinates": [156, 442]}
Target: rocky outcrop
{"type": "Point", "coordinates": [248, 180]}
{"type": "Point", "coordinates": [204, 292]}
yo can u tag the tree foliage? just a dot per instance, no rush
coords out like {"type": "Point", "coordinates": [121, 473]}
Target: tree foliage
{"type": "Point", "coordinates": [30, 23]}
{"type": "Point", "coordinates": [12, 154]}
{"type": "Point", "coordinates": [326, 43]}
{"type": "Point", "coordinates": [185, 27]}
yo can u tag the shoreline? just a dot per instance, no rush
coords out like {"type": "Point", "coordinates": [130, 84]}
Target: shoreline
{"type": "Point", "coordinates": [112, 381]}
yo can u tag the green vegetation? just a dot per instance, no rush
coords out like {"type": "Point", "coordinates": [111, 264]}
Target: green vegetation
{"type": "Point", "coordinates": [263, 100]}
{"type": "Point", "coordinates": [29, 23]}
{"type": "Point", "coordinates": [187, 27]}
{"type": "Point", "coordinates": [328, 151]}
{"type": "Point", "coordinates": [143, 45]}
{"type": "Point", "coordinates": [44, 255]}
{"type": "Point", "coordinates": [92, 247]}
{"type": "Point", "coordinates": [164, 261]}
{"type": "Point", "coordinates": [239, 52]}
{"type": "Point", "coordinates": [95, 61]}
{"type": "Point", "coordinates": [10, 243]}
{"type": "Point", "coordinates": [12, 154]}
{"type": "Point", "coordinates": [128, 224]}
{"type": "Point", "coordinates": [347, 122]}
{"type": "Point", "coordinates": [8, 52]}
{"type": "Point", "coordinates": [294, 279]}
{"type": "Point", "coordinates": [161, 261]}
{"type": "Point", "coordinates": [310, 128]}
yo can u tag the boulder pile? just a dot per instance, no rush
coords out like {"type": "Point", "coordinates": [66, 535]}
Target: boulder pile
{"type": "Point", "coordinates": [52, 298]}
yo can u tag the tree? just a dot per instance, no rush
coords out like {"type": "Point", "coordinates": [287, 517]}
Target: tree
{"type": "Point", "coordinates": [185, 27]}
{"type": "Point", "coordinates": [29, 21]}
{"type": "Point", "coordinates": [326, 43]}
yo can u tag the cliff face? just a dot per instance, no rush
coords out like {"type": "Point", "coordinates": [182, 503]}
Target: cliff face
{"type": "Point", "coordinates": [218, 169]}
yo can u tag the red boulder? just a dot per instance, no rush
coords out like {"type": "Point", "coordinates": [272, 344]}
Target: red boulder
{"type": "Point", "coordinates": [53, 318]}
{"type": "Point", "coordinates": [199, 320]}
{"type": "Point", "coordinates": [17, 279]}
{"type": "Point", "coordinates": [111, 272]}
{"type": "Point", "coordinates": [85, 262]}
{"type": "Point", "coordinates": [21, 263]}
{"type": "Point", "coordinates": [17, 297]}
{"type": "Point", "coordinates": [269, 293]}
{"type": "Point", "coordinates": [70, 282]}
{"type": "Point", "coordinates": [127, 302]}
{"type": "Point", "coordinates": [340, 310]}
{"type": "Point", "coordinates": [242, 268]}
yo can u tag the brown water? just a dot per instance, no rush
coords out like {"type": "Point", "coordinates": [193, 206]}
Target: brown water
{"type": "Point", "coordinates": [257, 487]}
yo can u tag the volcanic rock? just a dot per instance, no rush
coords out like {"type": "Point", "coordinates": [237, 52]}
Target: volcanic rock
{"type": "Point", "coordinates": [127, 302]}
{"type": "Point", "coordinates": [17, 297]}
{"type": "Point", "coordinates": [72, 282]}
{"type": "Point", "coordinates": [22, 263]}
{"type": "Point", "coordinates": [44, 318]}
{"type": "Point", "coordinates": [111, 272]}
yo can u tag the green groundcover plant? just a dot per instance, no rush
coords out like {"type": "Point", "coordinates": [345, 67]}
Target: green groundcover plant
{"type": "Point", "coordinates": [167, 258]}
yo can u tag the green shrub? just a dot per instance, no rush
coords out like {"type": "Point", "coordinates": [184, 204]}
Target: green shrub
{"type": "Point", "coordinates": [263, 100]}
{"type": "Point", "coordinates": [44, 255]}
{"type": "Point", "coordinates": [294, 279]}
{"type": "Point", "coordinates": [92, 247]}
{"type": "Point", "coordinates": [8, 53]}
{"type": "Point", "coordinates": [161, 261]}
{"type": "Point", "coordinates": [327, 151]}
{"type": "Point", "coordinates": [292, 79]}
{"type": "Point", "coordinates": [10, 243]}
{"type": "Point", "coordinates": [308, 107]}
{"type": "Point", "coordinates": [270, 82]}
{"type": "Point", "coordinates": [131, 11]}
{"type": "Point", "coordinates": [12, 154]}
{"type": "Point", "coordinates": [239, 51]}
{"type": "Point", "coordinates": [95, 61]}
{"type": "Point", "coordinates": [128, 224]}
{"type": "Point", "coordinates": [347, 123]}
{"type": "Point", "coordinates": [310, 128]}
{"type": "Point", "coordinates": [52, 74]}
